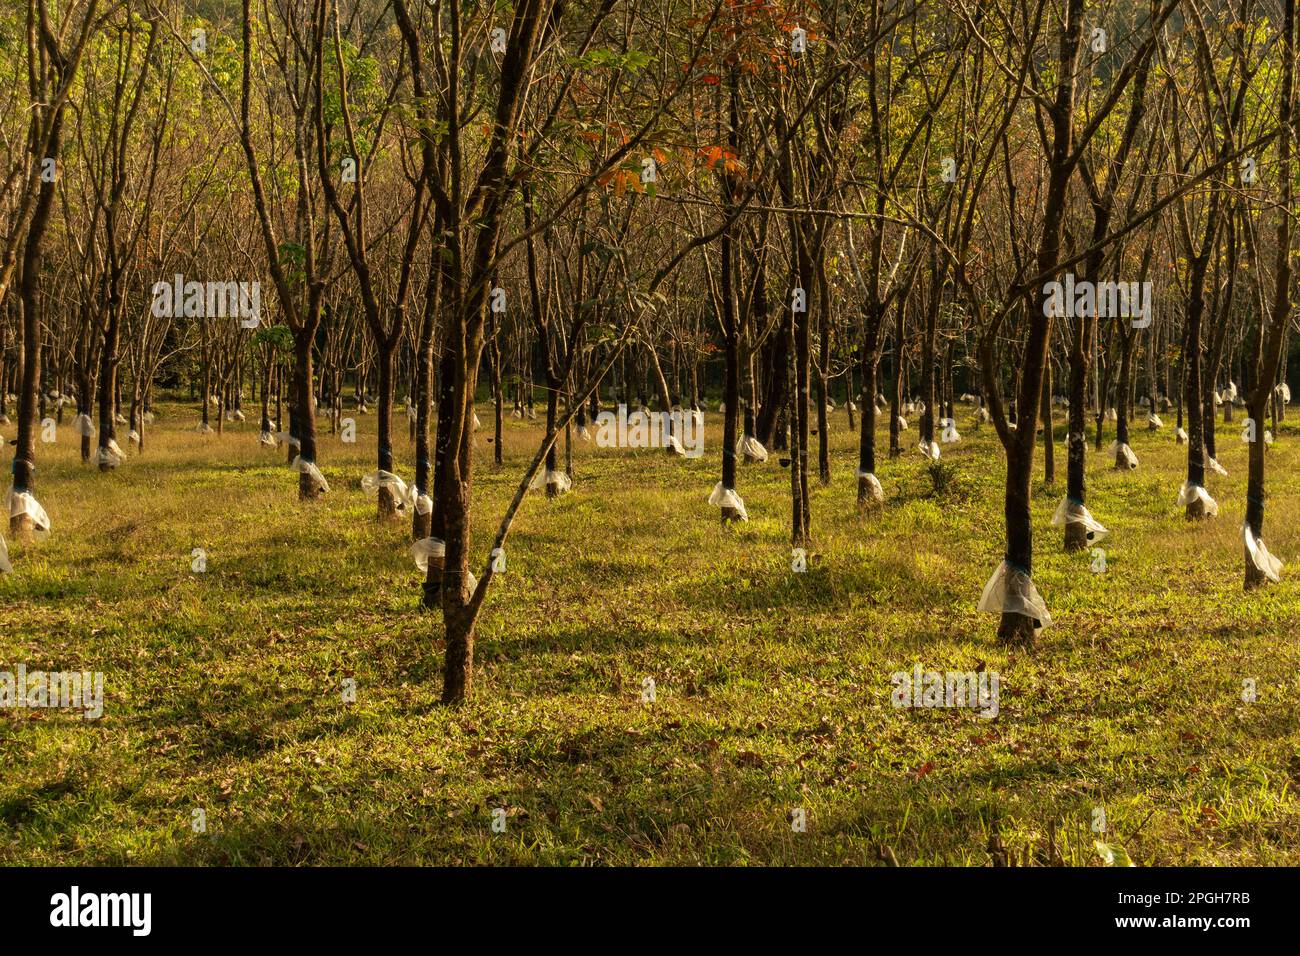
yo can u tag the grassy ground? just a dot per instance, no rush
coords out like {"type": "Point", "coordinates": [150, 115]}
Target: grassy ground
{"type": "Point", "coordinates": [772, 688]}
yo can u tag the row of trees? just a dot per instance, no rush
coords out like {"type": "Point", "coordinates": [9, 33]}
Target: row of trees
{"type": "Point", "coordinates": [874, 206]}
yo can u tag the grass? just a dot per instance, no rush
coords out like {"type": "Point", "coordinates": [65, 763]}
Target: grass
{"type": "Point", "coordinates": [772, 689]}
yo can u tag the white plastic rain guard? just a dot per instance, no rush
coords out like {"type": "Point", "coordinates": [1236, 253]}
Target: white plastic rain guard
{"type": "Point", "coordinates": [722, 407]}
{"type": "Point", "coordinates": [1216, 467]}
{"type": "Point", "coordinates": [1070, 511]}
{"type": "Point", "coordinates": [83, 426]}
{"type": "Point", "coordinates": [546, 477]}
{"type": "Point", "coordinates": [268, 439]}
{"type": "Point", "coordinates": [147, 418]}
{"type": "Point", "coordinates": [929, 449]}
{"type": "Point", "coordinates": [410, 413]}
{"type": "Point", "coordinates": [24, 503]}
{"type": "Point", "coordinates": [727, 498]}
{"type": "Point", "coordinates": [234, 415]}
{"type": "Point", "coordinates": [427, 548]}
{"type": "Point", "coordinates": [1117, 451]}
{"type": "Point", "coordinates": [948, 431]}
{"type": "Point", "coordinates": [751, 448]}
{"type": "Point", "coordinates": [111, 455]}
{"type": "Point", "coordinates": [1189, 493]}
{"type": "Point", "coordinates": [1284, 392]}
{"type": "Point", "coordinates": [1111, 415]}
{"type": "Point", "coordinates": [517, 414]}
{"type": "Point", "coordinates": [853, 406]}
{"type": "Point", "coordinates": [1181, 436]}
{"type": "Point", "coordinates": [873, 485]}
{"type": "Point", "coordinates": [134, 436]}
{"type": "Point", "coordinates": [982, 416]}
{"type": "Point", "coordinates": [309, 468]}
{"type": "Point", "coordinates": [477, 423]}
{"type": "Point", "coordinates": [203, 428]}
{"type": "Point", "coordinates": [1231, 393]}
{"type": "Point", "coordinates": [1012, 591]}
{"type": "Point", "coordinates": [372, 482]}
{"type": "Point", "coordinates": [1154, 422]}
{"type": "Point", "coordinates": [1267, 564]}
{"type": "Point", "coordinates": [584, 434]}
{"type": "Point", "coordinates": [5, 566]}
{"type": "Point", "coordinates": [902, 423]}
{"type": "Point", "coordinates": [121, 419]}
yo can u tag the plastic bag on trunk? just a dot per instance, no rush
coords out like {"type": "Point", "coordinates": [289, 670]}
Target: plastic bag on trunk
{"type": "Point", "coordinates": [309, 468]}
{"type": "Point", "coordinates": [727, 498]}
{"type": "Point", "coordinates": [1070, 511]}
{"type": "Point", "coordinates": [1012, 591]}
{"type": "Point", "coordinates": [1284, 392]}
{"type": "Point", "coordinates": [1153, 422]}
{"type": "Point", "coordinates": [1123, 453]}
{"type": "Point", "coordinates": [1268, 565]}
{"type": "Point", "coordinates": [873, 485]}
{"type": "Point", "coordinates": [427, 548]}
{"type": "Point", "coordinates": [83, 426]}
{"type": "Point", "coordinates": [134, 436]}
{"type": "Point", "coordinates": [929, 449]}
{"type": "Point", "coordinates": [372, 482]}
{"type": "Point", "coordinates": [1189, 493]}
{"type": "Point", "coordinates": [268, 439]}
{"type": "Point", "coordinates": [751, 448]}
{"type": "Point", "coordinates": [547, 477]}
{"type": "Point", "coordinates": [902, 423]}
{"type": "Point", "coordinates": [24, 503]}
{"type": "Point", "coordinates": [203, 428]}
{"type": "Point", "coordinates": [1216, 467]}
{"type": "Point", "coordinates": [1181, 436]}
{"type": "Point", "coordinates": [110, 455]}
